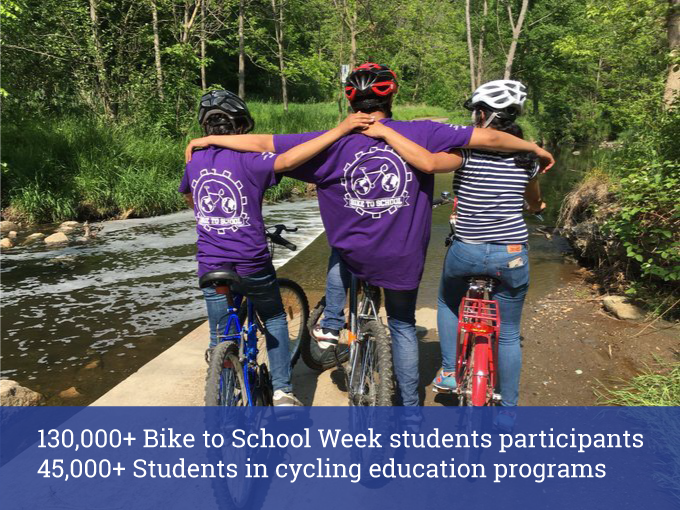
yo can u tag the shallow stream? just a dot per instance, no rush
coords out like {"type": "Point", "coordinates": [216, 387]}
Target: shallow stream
{"type": "Point", "coordinates": [86, 316]}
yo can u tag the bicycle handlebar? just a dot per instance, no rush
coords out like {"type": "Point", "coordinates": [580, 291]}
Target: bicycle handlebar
{"type": "Point", "coordinates": [441, 201]}
{"type": "Point", "coordinates": [277, 238]}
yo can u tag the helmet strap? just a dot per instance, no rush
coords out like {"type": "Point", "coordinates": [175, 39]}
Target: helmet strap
{"type": "Point", "coordinates": [490, 119]}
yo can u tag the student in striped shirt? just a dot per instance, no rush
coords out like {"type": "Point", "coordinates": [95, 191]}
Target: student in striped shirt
{"type": "Point", "coordinates": [491, 236]}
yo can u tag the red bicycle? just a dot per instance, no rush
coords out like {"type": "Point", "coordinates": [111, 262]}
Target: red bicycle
{"type": "Point", "coordinates": [479, 323]}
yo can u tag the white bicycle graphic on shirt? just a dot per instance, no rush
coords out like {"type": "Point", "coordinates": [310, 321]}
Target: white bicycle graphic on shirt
{"type": "Point", "coordinates": [389, 181]}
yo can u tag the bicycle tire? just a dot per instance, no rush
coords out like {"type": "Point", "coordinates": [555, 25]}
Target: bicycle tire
{"type": "Point", "coordinates": [480, 381]}
{"type": "Point", "coordinates": [296, 306]}
{"type": "Point", "coordinates": [220, 378]}
{"type": "Point", "coordinates": [323, 359]}
{"type": "Point", "coordinates": [380, 391]}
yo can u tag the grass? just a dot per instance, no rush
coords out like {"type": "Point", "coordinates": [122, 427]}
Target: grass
{"type": "Point", "coordinates": [83, 168]}
{"type": "Point", "coordinates": [653, 387]}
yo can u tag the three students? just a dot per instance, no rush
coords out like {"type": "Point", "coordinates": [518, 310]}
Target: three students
{"type": "Point", "coordinates": [376, 203]}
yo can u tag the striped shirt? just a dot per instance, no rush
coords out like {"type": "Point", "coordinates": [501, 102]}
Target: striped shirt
{"type": "Point", "coordinates": [490, 190]}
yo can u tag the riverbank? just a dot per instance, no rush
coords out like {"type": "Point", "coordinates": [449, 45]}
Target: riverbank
{"type": "Point", "coordinates": [82, 168]}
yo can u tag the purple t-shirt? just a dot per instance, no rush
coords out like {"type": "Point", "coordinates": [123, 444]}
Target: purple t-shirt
{"type": "Point", "coordinates": [377, 210]}
{"type": "Point", "coordinates": [227, 188]}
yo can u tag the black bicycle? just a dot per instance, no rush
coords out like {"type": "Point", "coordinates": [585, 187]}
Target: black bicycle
{"type": "Point", "coordinates": [364, 348]}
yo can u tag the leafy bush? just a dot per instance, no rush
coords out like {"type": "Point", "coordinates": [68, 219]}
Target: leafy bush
{"type": "Point", "coordinates": [648, 221]}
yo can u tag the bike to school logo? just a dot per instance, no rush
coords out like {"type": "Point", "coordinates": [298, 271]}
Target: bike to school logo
{"type": "Point", "coordinates": [375, 182]}
{"type": "Point", "coordinates": [220, 206]}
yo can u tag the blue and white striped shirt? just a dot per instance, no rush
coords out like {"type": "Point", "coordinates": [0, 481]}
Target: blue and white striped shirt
{"type": "Point", "coordinates": [490, 190]}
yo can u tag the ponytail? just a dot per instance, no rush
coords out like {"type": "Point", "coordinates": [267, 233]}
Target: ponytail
{"type": "Point", "coordinates": [526, 160]}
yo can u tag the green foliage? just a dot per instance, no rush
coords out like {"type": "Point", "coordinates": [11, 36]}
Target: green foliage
{"type": "Point", "coordinates": [85, 167]}
{"type": "Point", "coordinates": [658, 386]}
{"type": "Point", "coordinates": [648, 221]}
{"type": "Point", "coordinates": [76, 167]}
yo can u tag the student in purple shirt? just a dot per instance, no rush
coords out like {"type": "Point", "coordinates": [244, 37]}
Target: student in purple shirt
{"type": "Point", "coordinates": [377, 209]}
{"type": "Point", "coordinates": [225, 189]}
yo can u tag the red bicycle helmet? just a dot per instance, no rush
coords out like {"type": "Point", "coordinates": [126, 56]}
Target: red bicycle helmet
{"type": "Point", "coordinates": [370, 85]}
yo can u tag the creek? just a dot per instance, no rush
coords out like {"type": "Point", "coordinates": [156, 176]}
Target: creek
{"type": "Point", "coordinates": [87, 316]}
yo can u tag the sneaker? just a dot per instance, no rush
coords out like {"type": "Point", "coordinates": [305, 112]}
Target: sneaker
{"type": "Point", "coordinates": [283, 399]}
{"type": "Point", "coordinates": [208, 354]}
{"type": "Point", "coordinates": [325, 337]}
{"type": "Point", "coordinates": [445, 381]}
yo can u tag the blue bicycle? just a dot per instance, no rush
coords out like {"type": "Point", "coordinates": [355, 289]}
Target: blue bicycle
{"type": "Point", "coordinates": [237, 368]}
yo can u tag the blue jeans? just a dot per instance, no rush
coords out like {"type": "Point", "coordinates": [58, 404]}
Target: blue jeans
{"type": "Point", "coordinates": [401, 319]}
{"type": "Point", "coordinates": [262, 289]}
{"type": "Point", "coordinates": [512, 271]}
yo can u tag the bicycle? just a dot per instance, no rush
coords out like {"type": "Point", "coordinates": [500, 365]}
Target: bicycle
{"type": "Point", "coordinates": [479, 324]}
{"type": "Point", "coordinates": [237, 375]}
{"type": "Point", "coordinates": [364, 346]}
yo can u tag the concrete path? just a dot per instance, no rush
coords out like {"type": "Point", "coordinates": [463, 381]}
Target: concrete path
{"type": "Point", "coordinates": [177, 376]}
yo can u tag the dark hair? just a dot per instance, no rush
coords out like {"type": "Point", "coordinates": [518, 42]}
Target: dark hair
{"type": "Point", "coordinates": [525, 160]}
{"type": "Point", "coordinates": [385, 108]}
{"type": "Point", "coordinates": [220, 124]}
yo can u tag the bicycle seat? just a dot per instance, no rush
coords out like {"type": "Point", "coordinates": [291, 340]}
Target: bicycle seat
{"type": "Point", "coordinates": [226, 277]}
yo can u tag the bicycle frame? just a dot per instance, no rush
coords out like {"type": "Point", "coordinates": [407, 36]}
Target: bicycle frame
{"type": "Point", "coordinates": [478, 324]}
{"type": "Point", "coordinates": [246, 339]}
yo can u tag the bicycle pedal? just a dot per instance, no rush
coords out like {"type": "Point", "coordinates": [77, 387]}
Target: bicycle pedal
{"type": "Point", "coordinates": [443, 391]}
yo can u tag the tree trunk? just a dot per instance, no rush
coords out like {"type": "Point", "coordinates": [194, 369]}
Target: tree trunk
{"type": "Point", "coordinates": [471, 51]}
{"type": "Point", "coordinates": [204, 84]}
{"type": "Point", "coordinates": [241, 51]}
{"type": "Point", "coordinates": [480, 51]}
{"type": "Point", "coordinates": [189, 21]}
{"type": "Point", "coordinates": [99, 60]}
{"type": "Point", "coordinates": [672, 89]}
{"type": "Point", "coordinates": [516, 31]}
{"type": "Point", "coordinates": [353, 40]}
{"type": "Point", "coordinates": [277, 8]}
{"type": "Point", "coordinates": [157, 50]}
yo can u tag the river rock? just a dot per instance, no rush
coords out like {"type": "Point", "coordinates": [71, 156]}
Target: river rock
{"type": "Point", "coordinates": [72, 392]}
{"type": "Point", "coordinates": [38, 236]}
{"type": "Point", "coordinates": [13, 234]}
{"type": "Point", "coordinates": [6, 243]}
{"type": "Point", "coordinates": [68, 226]}
{"type": "Point", "coordinates": [622, 308]}
{"type": "Point", "coordinates": [12, 394]}
{"type": "Point", "coordinates": [7, 226]}
{"type": "Point", "coordinates": [58, 238]}
{"type": "Point", "coordinates": [92, 364]}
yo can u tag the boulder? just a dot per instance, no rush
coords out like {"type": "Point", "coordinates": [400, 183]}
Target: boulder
{"type": "Point", "coordinates": [92, 364]}
{"type": "Point", "coordinates": [72, 392]}
{"type": "Point", "coordinates": [68, 226]}
{"type": "Point", "coordinates": [12, 394]}
{"type": "Point", "coordinates": [7, 226]}
{"type": "Point", "coordinates": [58, 238]}
{"type": "Point", "coordinates": [37, 236]}
{"type": "Point", "coordinates": [13, 234]}
{"type": "Point", "coordinates": [6, 243]}
{"type": "Point", "coordinates": [622, 308]}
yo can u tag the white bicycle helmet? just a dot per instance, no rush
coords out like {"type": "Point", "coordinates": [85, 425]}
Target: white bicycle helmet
{"type": "Point", "coordinates": [503, 97]}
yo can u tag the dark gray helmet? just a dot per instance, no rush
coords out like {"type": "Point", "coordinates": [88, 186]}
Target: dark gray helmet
{"type": "Point", "coordinates": [224, 112]}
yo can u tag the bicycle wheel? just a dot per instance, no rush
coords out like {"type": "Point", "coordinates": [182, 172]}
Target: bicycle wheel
{"type": "Point", "coordinates": [372, 382]}
{"type": "Point", "coordinates": [296, 306]}
{"type": "Point", "coordinates": [224, 383]}
{"type": "Point", "coordinates": [323, 359]}
{"type": "Point", "coordinates": [479, 395]}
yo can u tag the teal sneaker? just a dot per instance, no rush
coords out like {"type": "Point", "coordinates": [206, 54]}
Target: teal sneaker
{"type": "Point", "coordinates": [445, 382]}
